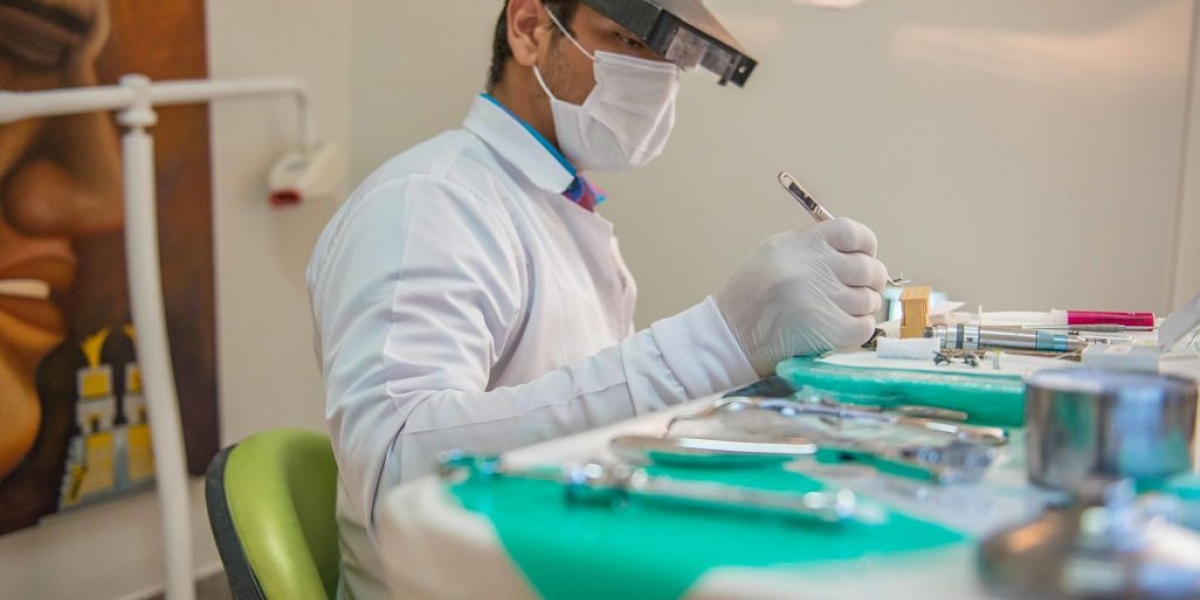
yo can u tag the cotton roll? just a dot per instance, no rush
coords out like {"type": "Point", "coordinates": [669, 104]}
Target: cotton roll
{"type": "Point", "coordinates": [915, 348]}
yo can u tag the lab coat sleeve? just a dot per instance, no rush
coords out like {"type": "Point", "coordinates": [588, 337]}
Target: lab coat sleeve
{"type": "Point", "coordinates": [415, 301]}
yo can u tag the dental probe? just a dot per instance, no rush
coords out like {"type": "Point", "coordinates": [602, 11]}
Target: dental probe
{"type": "Point", "coordinates": [805, 199]}
{"type": "Point", "coordinates": [818, 212]}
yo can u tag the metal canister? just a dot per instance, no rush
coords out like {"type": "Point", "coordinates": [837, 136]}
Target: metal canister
{"type": "Point", "coordinates": [1085, 427]}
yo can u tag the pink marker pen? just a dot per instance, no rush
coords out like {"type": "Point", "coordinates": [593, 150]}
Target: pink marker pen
{"type": "Point", "coordinates": [1132, 320]}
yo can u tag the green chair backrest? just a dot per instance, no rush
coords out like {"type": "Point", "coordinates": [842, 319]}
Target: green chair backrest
{"type": "Point", "coordinates": [279, 489]}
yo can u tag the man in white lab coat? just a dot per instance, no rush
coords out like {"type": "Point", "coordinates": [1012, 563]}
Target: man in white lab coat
{"type": "Point", "coordinates": [468, 296]}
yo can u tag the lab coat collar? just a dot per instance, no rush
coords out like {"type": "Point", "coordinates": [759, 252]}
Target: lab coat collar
{"type": "Point", "coordinates": [520, 145]}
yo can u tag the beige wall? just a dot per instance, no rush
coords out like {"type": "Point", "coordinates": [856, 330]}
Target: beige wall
{"type": "Point", "coordinates": [1019, 154]}
{"type": "Point", "coordinates": [268, 376]}
{"type": "Point", "coordinates": [1186, 284]}
{"type": "Point", "coordinates": [417, 66]}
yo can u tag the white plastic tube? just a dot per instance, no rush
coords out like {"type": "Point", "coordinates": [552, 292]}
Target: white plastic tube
{"type": "Point", "coordinates": [912, 349]}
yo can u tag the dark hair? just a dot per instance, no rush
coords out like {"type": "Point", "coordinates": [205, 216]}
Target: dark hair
{"type": "Point", "coordinates": [502, 52]}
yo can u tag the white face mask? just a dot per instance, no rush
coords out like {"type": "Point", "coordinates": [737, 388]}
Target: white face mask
{"type": "Point", "coordinates": [627, 118]}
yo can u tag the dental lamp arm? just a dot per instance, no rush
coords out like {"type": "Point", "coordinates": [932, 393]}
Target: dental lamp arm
{"type": "Point", "coordinates": [17, 106]}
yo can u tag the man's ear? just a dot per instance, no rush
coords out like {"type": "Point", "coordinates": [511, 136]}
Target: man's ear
{"type": "Point", "coordinates": [524, 21]}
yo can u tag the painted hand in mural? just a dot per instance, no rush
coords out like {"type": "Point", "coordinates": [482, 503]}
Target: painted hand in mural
{"type": "Point", "coordinates": [60, 180]}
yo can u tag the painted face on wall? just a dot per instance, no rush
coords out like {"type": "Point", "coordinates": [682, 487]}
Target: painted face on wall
{"type": "Point", "coordinates": [60, 180]}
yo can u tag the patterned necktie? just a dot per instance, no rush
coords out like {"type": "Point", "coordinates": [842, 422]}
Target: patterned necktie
{"type": "Point", "coordinates": [583, 193]}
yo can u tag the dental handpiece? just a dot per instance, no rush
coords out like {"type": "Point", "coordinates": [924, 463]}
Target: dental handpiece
{"type": "Point", "coordinates": [974, 337]}
{"type": "Point", "coordinates": [818, 212]}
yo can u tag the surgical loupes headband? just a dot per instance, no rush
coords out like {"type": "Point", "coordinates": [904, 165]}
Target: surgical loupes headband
{"type": "Point", "coordinates": [684, 32]}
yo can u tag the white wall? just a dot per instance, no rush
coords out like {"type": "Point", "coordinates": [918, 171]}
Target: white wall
{"type": "Point", "coordinates": [1016, 153]}
{"type": "Point", "coordinates": [268, 376]}
{"type": "Point", "coordinates": [417, 67]}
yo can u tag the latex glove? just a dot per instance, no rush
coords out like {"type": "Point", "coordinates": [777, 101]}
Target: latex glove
{"type": "Point", "coordinates": [805, 292]}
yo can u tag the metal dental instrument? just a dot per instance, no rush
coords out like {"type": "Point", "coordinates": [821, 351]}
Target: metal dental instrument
{"type": "Point", "coordinates": [931, 412]}
{"type": "Point", "coordinates": [955, 462]}
{"type": "Point", "coordinates": [620, 484]}
{"type": "Point", "coordinates": [987, 436]}
{"type": "Point", "coordinates": [964, 458]}
{"type": "Point", "coordinates": [819, 213]}
{"type": "Point", "coordinates": [939, 419]}
{"type": "Point", "coordinates": [640, 449]}
{"type": "Point", "coordinates": [623, 483]}
{"type": "Point", "coordinates": [707, 412]}
{"type": "Point", "coordinates": [904, 410]}
{"type": "Point", "coordinates": [808, 394]}
{"type": "Point", "coordinates": [805, 199]}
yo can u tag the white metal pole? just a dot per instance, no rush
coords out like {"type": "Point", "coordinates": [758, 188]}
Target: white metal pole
{"type": "Point", "coordinates": [206, 90]}
{"type": "Point", "coordinates": [153, 351]}
{"type": "Point", "coordinates": [15, 106]}
{"type": "Point", "coordinates": [136, 97]}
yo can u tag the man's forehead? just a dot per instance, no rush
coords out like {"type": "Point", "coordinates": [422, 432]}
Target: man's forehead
{"type": "Point", "coordinates": [601, 20]}
{"type": "Point", "coordinates": [683, 31]}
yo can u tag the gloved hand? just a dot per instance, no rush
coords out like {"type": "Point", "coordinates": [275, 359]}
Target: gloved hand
{"type": "Point", "coordinates": [805, 292]}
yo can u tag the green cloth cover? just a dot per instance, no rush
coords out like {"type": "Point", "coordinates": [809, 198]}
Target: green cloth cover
{"type": "Point", "coordinates": [996, 400]}
{"type": "Point", "coordinates": [651, 551]}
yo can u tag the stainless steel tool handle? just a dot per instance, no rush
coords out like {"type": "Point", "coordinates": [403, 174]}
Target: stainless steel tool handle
{"type": "Point", "coordinates": [991, 436]}
{"type": "Point", "coordinates": [956, 462]}
{"type": "Point", "coordinates": [825, 507]}
{"type": "Point", "coordinates": [642, 448]}
{"type": "Point", "coordinates": [595, 482]}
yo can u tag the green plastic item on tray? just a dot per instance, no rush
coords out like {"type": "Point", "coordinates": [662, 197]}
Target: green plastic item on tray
{"type": "Point", "coordinates": [996, 400]}
{"type": "Point", "coordinates": [650, 551]}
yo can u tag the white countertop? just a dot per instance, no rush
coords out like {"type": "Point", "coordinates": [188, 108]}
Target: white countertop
{"type": "Point", "coordinates": [434, 549]}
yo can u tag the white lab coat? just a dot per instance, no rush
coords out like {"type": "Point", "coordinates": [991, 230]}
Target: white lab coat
{"type": "Point", "coordinates": [461, 301]}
